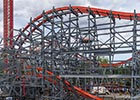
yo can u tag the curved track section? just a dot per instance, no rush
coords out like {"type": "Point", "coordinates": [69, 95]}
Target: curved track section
{"type": "Point", "coordinates": [71, 42]}
{"type": "Point", "coordinates": [78, 9]}
{"type": "Point", "coordinates": [79, 90]}
{"type": "Point", "coordinates": [93, 11]}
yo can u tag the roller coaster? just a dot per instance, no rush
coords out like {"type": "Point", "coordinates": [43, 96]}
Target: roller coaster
{"type": "Point", "coordinates": [57, 55]}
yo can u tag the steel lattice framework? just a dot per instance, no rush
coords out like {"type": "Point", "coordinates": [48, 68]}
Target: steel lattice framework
{"type": "Point", "coordinates": [66, 44]}
{"type": "Point", "coordinates": [8, 22]}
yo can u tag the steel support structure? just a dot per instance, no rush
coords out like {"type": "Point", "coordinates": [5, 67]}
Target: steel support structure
{"type": "Point", "coordinates": [72, 42]}
{"type": "Point", "coordinates": [8, 22]}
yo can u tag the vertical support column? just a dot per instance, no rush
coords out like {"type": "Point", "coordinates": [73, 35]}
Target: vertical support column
{"type": "Point", "coordinates": [5, 26]}
{"type": "Point", "coordinates": [134, 48]}
{"type": "Point", "coordinates": [53, 93]}
{"type": "Point", "coordinates": [110, 54]}
{"type": "Point", "coordinates": [8, 22]}
{"type": "Point", "coordinates": [112, 40]}
{"type": "Point", "coordinates": [62, 69]}
{"type": "Point", "coordinates": [94, 40]}
{"type": "Point", "coordinates": [11, 21]}
{"type": "Point", "coordinates": [42, 54]}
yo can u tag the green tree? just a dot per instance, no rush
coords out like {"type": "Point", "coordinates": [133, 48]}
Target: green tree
{"type": "Point", "coordinates": [103, 60]}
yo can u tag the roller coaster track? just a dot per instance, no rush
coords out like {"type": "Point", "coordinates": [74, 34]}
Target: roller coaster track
{"type": "Point", "coordinates": [79, 9]}
{"type": "Point", "coordinates": [51, 80]}
{"type": "Point", "coordinates": [75, 10]}
{"type": "Point", "coordinates": [106, 64]}
{"type": "Point", "coordinates": [93, 11]}
{"type": "Point", "coordinates": [80, 91]}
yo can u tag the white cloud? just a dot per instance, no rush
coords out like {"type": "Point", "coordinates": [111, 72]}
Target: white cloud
{"type": "Point", "coordinates": [1, 29]}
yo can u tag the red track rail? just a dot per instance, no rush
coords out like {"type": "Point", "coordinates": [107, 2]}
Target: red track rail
{"type": "Point", "coordinates": [96, 11]}
{"type": "Point", "coordinates": [116, 64]}
{"type": "Point", "coordinates": [77, 89]}
{"type": "Point", "coordinates": [80, 91]}
{"type": "Point", "coordinates": [79, 9]}
{"type": "Point", "coordinates": [105, 65]}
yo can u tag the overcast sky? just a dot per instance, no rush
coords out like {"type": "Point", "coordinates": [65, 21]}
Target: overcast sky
{"type": "Point", "coordinates": [24, 9]}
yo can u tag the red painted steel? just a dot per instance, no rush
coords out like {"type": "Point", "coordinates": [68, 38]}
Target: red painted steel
{"type": "Point", "coordinates": [11, 22]}
{"type": "Point", "coordinates": [96, 11]}
{"type": "Point", "coordinates": [5, 14]}
{"type": "Point", "coordinates": [78, 90]}
{"type": "Point", "coordinates": [8, 22]}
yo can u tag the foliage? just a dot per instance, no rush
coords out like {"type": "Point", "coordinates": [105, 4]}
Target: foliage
{"type": "Point", "coordinates": [103, 60]}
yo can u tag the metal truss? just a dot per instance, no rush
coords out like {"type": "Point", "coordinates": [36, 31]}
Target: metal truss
{"type": "Point", "coordinates": [69, 42]}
